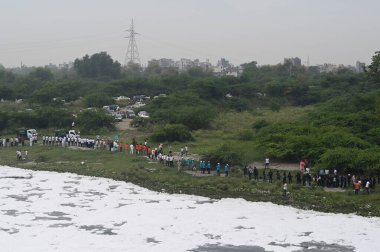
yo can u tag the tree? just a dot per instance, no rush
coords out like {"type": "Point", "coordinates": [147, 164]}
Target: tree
{"type": "Point", "coordinates": [171, 133]}
{"type": "Point", "coordinates": [97, 100]}
{"type": "Point", "coordinates": [6, 76]}
{"type": "Point", "coordinates": [6, 93]}
{"type": "Point", "coordinates": [45, 94]}
{"type": "Point", "coordinates": [133, 69]}
{"type": "Point", "coordinates": [249, 70]}
{"type": "Point", "coordinates": [43, 74]}
{"type": "Point", "coordinates": [91, 121]}
{"type": "Point", "coordinates": [374, 68]}
{"type": "Point", "coordinates": [153, 68]}
{"type": "Point", "coordinates": [98, 65]}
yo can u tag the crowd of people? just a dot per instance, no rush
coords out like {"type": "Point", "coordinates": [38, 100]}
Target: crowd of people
{"type": "Point", "coordinates": [184, 162]}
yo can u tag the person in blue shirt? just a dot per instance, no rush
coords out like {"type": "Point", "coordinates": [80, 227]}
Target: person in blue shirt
{"type": "Point", "coordinates": [208, 167]}
{"type": "Point", "coordinates": [218, 169]}
{"type": "Point", "coordinates": [226, 168]}
{"type": "Point", "coordinates": [182, 163]}
{"type": "Point", "coordinates": [194, 167]}
{"type": "Point", "coordinates": [188, 164]}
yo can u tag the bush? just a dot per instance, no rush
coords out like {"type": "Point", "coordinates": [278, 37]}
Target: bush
{"type": "Point", "coordinates": [92, 121]}
{"type": "Point", "coordinates": [246, 135]}
{"type": "Point", "coordinates": [225, 154]}
{"type": "Point", "coordinates": [141, 122]}
{"type": "Point", "coordinates": [238, 104]}
{"type": "Point", "coordinates": [3, 120]}
{"type": "Point", "coordinates": [172, 132]}
{"type": "Point", "coordinates": [260, 124]}
{"type": "Point", "coordinates": [275, 107]}
{"type": "Point", "coordinates": [182, 108]}
{"type": "Point", "coordinates": [98, 100]}
{"type": "Point", "coordinates": [42, 118]}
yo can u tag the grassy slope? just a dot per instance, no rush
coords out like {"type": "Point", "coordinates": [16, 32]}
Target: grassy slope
{"type": "Point", "coordinates": [157, 177]}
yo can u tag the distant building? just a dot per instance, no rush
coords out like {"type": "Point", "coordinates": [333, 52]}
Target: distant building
{"type": "Point", "coordinates": [294, 62]}
{"type": "Point", "coordinates": [185, 64]}
{"type": "Point", "coordinates": [359, 67]}
{"type": "Point", "coordinates": [225, 68]}
{"type": "Point", "coordinates": [224, 64]}
{"type": "Point", "coordinates": [182, 65]}
{"type": "Point", "coordinates": [328, 68]}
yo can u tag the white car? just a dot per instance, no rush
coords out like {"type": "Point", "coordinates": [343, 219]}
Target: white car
{"type": "Point", "coordinates": [119, 117]}
{"type": "Point", "coordinates": [143, 114]}
{"type": "Point", "coordinates": [138, 105]}
{"type": "Point", "coordinates": [73, 134]}
{"type": "Point", "coordinates": [31, 133]}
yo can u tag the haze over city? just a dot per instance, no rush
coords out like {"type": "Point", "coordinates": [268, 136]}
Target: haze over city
{"type": "Point", "coordinates": [40, 32]}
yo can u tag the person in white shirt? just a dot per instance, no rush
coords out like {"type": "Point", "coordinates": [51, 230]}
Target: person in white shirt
{"type": "Point", "coordinates": [285, 189]}
{"type": "Point", "coordinates": [266, 162]}
{"type": "Point", "coordinates": [367, 186]}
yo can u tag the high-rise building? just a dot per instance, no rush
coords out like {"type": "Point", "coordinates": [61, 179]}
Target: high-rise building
{"type": "Point", "coordinates": [359, 67]}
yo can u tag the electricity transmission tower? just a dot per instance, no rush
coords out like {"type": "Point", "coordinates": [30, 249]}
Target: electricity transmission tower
{"type": "Point", "coordinates": [132, 55]}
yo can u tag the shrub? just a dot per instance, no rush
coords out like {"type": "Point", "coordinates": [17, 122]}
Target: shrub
{"type": "Point", "coordinates": [260, 124]}
{"type": "Point", "coordinates": [238, 104]}
{"type": "Point", "coordinates": [172, 132]}
{"type": "Point", "coordinates": [98, 100]}
{"type": "Point", "coordinates": [225, 154]}
{"type": "Point", "coordinates": [92, 121]}
{"type": "Point", "coordinates": [140, 122]}
{"type": "Point", "coordinates": [246, 135]}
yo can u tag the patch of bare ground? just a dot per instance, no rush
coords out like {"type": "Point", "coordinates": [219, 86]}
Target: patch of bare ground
{"type": "Point", "coordinates": [277, 166]}
{"type": "Point", "coordinates": [124, 125]}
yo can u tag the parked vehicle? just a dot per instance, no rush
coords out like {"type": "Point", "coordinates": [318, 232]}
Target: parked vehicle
{"type": "Point", "coordinates": [130, 114]}
{"type": "Point", "coordinates": [141, 98]}
{"type": "Point", "coordinates": [138, 105]}
{"type": "Point", "coordinates": [28, 134]}
{"type": "Point", "coordinates": [31, 133]}
{"type": "Point", "coordinates": [114, 108]}
{"type": "Point", "coordinates": [118, 117]}
{"type": "Point", "coordinates": [123, 114]}
{"type": "Point", "coordinates": [143, 114]}
{"type": "Point", "coordinates": [72, 134]}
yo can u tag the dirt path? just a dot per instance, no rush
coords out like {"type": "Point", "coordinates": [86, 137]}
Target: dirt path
{"type": "Point", "coordinates": [124, 125]}
{"type": "Point", "coordinates": [277, 166]}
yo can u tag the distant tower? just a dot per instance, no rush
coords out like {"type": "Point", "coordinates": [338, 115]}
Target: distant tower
{"type": "Point", "coordinates": [132, 52]}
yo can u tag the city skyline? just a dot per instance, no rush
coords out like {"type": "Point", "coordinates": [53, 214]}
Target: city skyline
{"type": "Point", "coordinates": [41, 32]}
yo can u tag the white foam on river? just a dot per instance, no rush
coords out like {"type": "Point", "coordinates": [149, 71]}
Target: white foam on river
{"type": "Point", "coordinates": [48, 211]}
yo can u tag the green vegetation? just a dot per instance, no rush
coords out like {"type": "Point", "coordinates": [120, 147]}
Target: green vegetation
{"type": "Point", "coordinates": [171, 133]}
{"type": "Point", "coordinates": [284, 112]}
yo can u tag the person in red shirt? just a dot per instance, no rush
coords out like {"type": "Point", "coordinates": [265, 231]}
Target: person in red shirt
{"type": "Point", "coordinates": [302, 166]}
{"type": "Point", "coordinates": [144, 149]}
{"type": "Point", "coordinates": [138, 149]}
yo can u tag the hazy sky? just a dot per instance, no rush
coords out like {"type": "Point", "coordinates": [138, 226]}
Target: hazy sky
{"type": "Point", "coordinates": [40, 32]}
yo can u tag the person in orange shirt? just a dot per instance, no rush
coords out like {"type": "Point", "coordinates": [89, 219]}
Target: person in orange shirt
{"type": "Point", "coordinates": [357, 187]}
{"type": "Point", "coordinates": [120, 147]}
{"type": "Point", "coordinates": [126, 148]}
